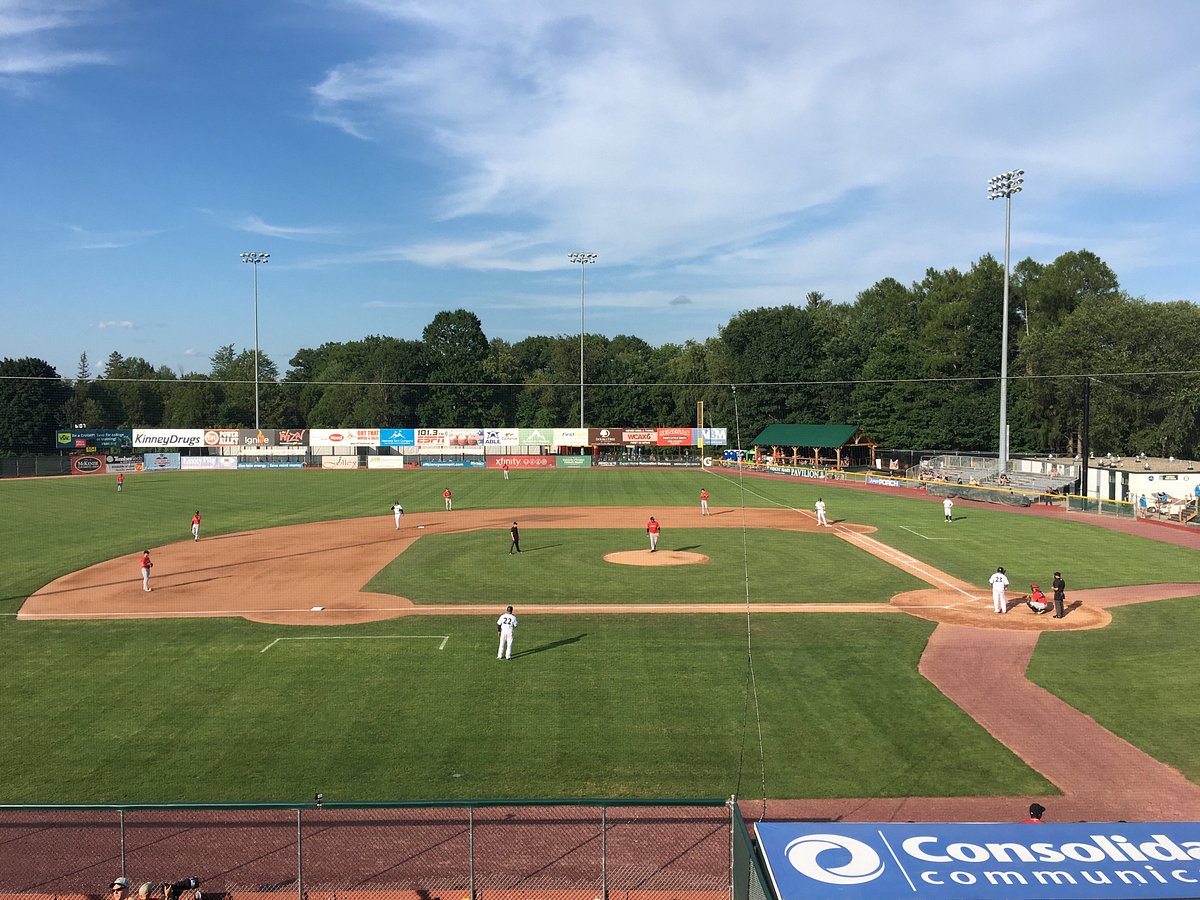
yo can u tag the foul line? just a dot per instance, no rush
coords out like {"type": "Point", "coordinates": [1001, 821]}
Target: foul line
{"type": "Point", "coordinates": [926, 573]}
{"type": "Point", "coordinates": [924, 536]}
{"type": "Point", "coordinates": [364, 637]}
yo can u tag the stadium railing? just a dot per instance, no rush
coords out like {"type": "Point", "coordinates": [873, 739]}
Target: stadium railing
{"type": "Point", "coordinates": [569, 849]}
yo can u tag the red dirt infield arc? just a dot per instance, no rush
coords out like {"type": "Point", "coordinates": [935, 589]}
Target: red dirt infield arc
{"type": "Point", "coordinates": [975, 657]}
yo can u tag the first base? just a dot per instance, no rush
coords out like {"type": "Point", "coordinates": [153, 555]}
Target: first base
{"type": "Point", "coordinates": [317, 609]}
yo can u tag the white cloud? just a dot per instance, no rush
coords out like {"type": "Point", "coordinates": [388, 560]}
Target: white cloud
{"type": "Point", "coordinates": [33, 35]}
{"type": "Point", "coordinates": [115, 323]}
{"type": "Point", "coordinates": [255, 225]}
{"type": "Point", "coordinates": [772, 143]}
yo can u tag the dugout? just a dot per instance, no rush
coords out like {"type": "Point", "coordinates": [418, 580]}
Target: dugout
{"type": "Point", "coordinates": [831, 446]}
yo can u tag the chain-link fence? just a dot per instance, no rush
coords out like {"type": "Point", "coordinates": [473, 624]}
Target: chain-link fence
{"type": "Point", "coordinates": [564, 850]}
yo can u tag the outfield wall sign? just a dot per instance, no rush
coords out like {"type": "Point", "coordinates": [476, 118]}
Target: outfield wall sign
{"type": "Point", "coordinates": [1085, 861]}
{"type": "Point", "coordinates": [165, 437]}
{"type": "Point", "coordinates": [92, 439]}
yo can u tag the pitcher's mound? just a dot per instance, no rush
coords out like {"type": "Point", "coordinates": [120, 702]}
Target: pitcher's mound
{"type": "Point", "coordinates": [657, 558]}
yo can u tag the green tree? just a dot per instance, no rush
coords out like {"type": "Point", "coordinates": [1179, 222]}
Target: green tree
{"type": "Point", "coordinates": [31, 395]}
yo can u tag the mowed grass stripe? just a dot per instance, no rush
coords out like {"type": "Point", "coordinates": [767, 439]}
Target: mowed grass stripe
{"type": "Point", "coordinates": [567, 565]}
{"type": "Point", "coordinates": [589, 705]}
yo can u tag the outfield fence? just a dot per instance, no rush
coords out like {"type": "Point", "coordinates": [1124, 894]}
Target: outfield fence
{"type": "Point", "coordinates": [465, 850]}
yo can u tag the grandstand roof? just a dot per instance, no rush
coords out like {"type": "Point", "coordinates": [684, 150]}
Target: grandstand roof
{"type": "Point", "coordinates": [805, 435]}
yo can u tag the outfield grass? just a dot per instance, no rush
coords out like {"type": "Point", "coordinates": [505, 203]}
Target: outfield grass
{"type": "Point", "coordinates": [590, 705]}
{"type": "Point", "coordinates": [565, 565]}
{"type": "Point", "coordinates": [1137, 678]}
{"type": "Point", "coordinates": [191, 710]}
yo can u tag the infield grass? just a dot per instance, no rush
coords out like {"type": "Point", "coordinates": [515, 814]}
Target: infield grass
{"type": "Point", "coordinates": [565, 565]}
{"type": "Point", "coordinates": [628, 705]}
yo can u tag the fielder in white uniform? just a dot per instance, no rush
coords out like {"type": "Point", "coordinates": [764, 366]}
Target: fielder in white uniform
{"type": "Point", "coordinates": [505, 626]}
{"type": "Point", "coordinates": [948, 509]}
{"type": "Point", "coordinates": [398, 512]}
{"type": "Point", "coordinates": [821, 513]}
{"type": "Point", "coordinates": [999, 582]}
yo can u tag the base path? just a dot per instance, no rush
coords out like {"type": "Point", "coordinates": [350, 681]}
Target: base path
{"type": "Point", "coordinates": [314, 574]}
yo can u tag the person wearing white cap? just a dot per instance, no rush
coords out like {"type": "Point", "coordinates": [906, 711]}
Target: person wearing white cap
{"type": "Point", "coordinates": [119, 887]}
{"type": "Point", "coordinates": [146, 891]}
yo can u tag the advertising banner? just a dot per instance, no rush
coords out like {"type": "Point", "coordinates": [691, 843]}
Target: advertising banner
{"type": "Point", "coordinates": [453, 463]}
{"type": "Point", "coordinates": [502, 437]}
{"type": "Point", "coordinates": [250, 439]}
{"type": "Point", "coordinates": [570, 437]}
{"type": "Point", "coordinates": [93, 439]}
{"type": "Point", "coordinates": [798, 471]}
{"type": "Point", "coordinates": [1084, 861]}
{"type": "Point", "coordinates": [343, 437]}
{"type": "Point", "coordinates": [166, 437]}
{"type": "Point", "coordinates": [339, 462]}
{"type": "Point", "coordinates": [161, 462]}
{"type": "Point", "coordinates": [222, 437]}
{"type": "Point", "coordinates": [647, 463]}
{"type": "Point", "coordinates": [524, 461]}
{"type": "Point", "coordinates": [209, 463]}
{"type": "Point", "coordinates": [464, 437]}
{"type": "Point", "coordinates": [674, 437]}
{"type": "Point", "coordinates": [431, 437]}
{"type": "Point", "coordinates": [270, 464]}
{"type": "Point", "coordinates": [87, 464]}
{"type": "Point", "coordinates": [122, 464]}
{"type": "Point", "coordinates": [631, 436]}
{"type": "Point", "coordinates": [292, 437]}
{"type": "Point", "coordinates": [397, 437]}
{"type": "Point", "coordinates": [886, 482]}
{"type": "Point", "coordinates": [535, 437]}
{"type": "Point", "coordinates": [718, 437]}
{"type": "Point", "coordinates": [573, 462]}
{"type": "Point", "coordinates": [604, 437]}
{"type": "Point", "coordinates": [385, 462]}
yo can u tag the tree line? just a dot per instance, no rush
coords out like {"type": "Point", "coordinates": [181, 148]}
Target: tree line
{"type": "Point", "coordinates": [916, 366]}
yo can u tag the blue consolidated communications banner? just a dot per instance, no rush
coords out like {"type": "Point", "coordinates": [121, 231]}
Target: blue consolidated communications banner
{"type": "Point", "coordinates": [1084, 861]}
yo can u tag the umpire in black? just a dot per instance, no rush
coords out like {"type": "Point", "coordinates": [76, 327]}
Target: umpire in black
{"type": "Point", "coordinates": [1060, 594]}
{"type": "Point", "coordinates": [516, 539]}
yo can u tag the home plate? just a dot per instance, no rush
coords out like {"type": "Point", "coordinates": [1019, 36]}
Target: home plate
{"type": "Point", "coordinates": [317, 608]}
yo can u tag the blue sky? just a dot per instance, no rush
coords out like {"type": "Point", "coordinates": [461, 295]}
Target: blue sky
{"type": "Point", "coordinates": [400, 157]}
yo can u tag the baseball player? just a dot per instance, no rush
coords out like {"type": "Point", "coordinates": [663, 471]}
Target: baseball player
{"type": "Point", "coordinates": [196, 526]}
{"type": "Point", "coordinates": [653, 528]}
{"type": "Point", "coordinates": [703, 502]}
{"type": "Point", "coordinates": [516, 539]}
{"type": "Point", "coordinates": [120, 481]}
{"type": "Point", "coordinates": [948, 509]}
{"type": "Point", "coordinates": [146, 567]}
{"type": "Point", "coordinates": [505, 625]}
{"type": "Point", "coordinates": [398, 512]}
{"type": "Point", "coordinates": [447, 496]}
{"type": "Point", "coordinates": [999, 581]}
{"type": "Point", "coordinates": [820, 507]}
{"type": "Point", "coordinates": [504, 469]}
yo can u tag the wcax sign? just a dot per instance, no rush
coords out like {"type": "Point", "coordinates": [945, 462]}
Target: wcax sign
{"type": "Point", "coordinates": [1086, 861]}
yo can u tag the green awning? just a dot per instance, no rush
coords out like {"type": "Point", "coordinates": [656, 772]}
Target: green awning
{"type": "Point", "coordinates": [823, 436]}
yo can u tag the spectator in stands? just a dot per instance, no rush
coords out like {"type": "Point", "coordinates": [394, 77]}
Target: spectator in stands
{"type": "Point", "coordinates": [146, 891]}
{"type": "Point", "coordinates": [1003, 479]}
{"type": "Point", "coordinates": [1143, 507]}
{"type": "Point", "coordinates": [974, 481]}
{"type": "Point", "coordinates": [1036, 811]}
{"type": "Point", "coordinates": [119, 888]}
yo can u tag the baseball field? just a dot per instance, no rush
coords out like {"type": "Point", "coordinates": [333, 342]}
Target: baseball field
{"type": "Point", "coordinates": [304, 644]}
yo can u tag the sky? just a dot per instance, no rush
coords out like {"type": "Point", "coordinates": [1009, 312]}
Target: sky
{"type": "Point", "coordinates": [397, 158]}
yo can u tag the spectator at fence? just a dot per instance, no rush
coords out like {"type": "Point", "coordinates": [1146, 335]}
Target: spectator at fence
{"type": "Point", "coordinates": [1036, 811]}
{"type": "Point", "coordinates": [146, 891]}
{"type": "Point", "coordinates": [119, 888]}
{"type": "Point", "coordinates": [1003, 479]}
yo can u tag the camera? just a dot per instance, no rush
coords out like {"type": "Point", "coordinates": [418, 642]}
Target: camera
{"type": "Point", "coordinates": [181, 889]}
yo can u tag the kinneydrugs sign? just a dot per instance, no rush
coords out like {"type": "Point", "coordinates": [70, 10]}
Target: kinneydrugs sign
{"type": "Point", "coordinates": [1085, 861]}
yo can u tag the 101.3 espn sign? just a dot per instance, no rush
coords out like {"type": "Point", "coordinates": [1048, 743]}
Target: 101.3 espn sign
{"type": "Point", "coordinates": [1084, 861]}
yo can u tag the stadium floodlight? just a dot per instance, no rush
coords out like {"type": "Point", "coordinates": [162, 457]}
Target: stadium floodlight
{"type": "Point", "coordinates": [256, 259]}
{"type": "Point", "coordinates": [583, 260]}
{"type": "Point", "coordinates": [1005, 185]}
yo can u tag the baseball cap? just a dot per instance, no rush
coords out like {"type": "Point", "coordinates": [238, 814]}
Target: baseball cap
{"type": "Point", "coordinates": [146, 890]}
{"type": "Point", "coordinates": [121, 882]}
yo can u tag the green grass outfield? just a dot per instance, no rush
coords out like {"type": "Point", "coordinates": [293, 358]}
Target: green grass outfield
{"type": "Point", "coordinates": [594, 705]}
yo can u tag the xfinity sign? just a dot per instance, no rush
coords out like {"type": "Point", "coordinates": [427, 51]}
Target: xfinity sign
{"type": "Point", "coordinates": [1085, 861]}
